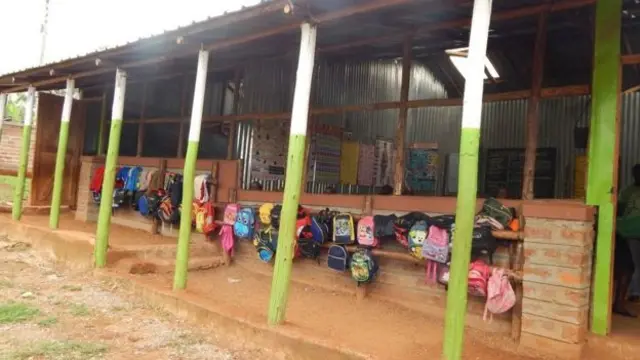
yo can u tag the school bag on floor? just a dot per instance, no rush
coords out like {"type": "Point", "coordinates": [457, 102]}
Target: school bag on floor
{"type": "Point", "coordinates": [417, 236]}
{"type": "Point", "coordinates": [495, 209]}
{"type": "Point", "coordinates": [230, 214]}
{"type": "Point", "coordinates": [338, 258]}
{"type": "Point", "coordinates": [245, 223]}
{"type": "Point", "coordinates": [363, 266]}
{"type": "Point", "coordinates": [366, 232]}
{"type": "Point", "coordinates": [500, 295]}
{"type": "Point", "coordinates": [343, 230]}
{"type": "Point", "coordinates": [479, 273]}
{"type": "Point", "coordinates": [483, 243]}
{"type": "Point", "coordinates": [266, 243]}
{"type": "Point", "coordinates": [319, 230]}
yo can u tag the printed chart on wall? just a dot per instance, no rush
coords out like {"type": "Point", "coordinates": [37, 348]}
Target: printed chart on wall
{"type": "Point", "coordinates": [384, 161]}
{"type": "Point", "coordinates": [270, 141]}
{"type": "Point", "coordinates": [505, 170]}
{"type": "Point", "coordinates": [366, 164]}
{"type": "Point", "coordinates": [324, 165]}
{"type": "Point", "coordinates": [422, 168]}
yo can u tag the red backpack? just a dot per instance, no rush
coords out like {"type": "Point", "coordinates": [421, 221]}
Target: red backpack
{"type": "Point", "coordinates": [479, 273]}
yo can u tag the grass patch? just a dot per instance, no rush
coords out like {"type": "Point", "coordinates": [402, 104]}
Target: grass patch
{"type": "Point", "coordinates": [12, 313]}
{"type": "Point", "coordinates": [79, 310]}
{"type": "Point", "coordinates": [5, 284]}
{"type": "Point", "coordinates": [73, 288]}
{"type": "Point", "coordinates": [48, 322]}
{"type": "Point", "coordinates": [54, 350]}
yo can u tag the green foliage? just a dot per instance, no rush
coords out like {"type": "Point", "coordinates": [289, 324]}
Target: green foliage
{"type": "Point", "coordinates": [12, 313]}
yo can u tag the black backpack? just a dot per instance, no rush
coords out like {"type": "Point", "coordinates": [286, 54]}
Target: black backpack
{"type": "Point", "coordinates": [307, 245]}
{"type": "Point", "coordinates": [338, 258]}
{"type": "Point", "coordinates": [483, 243]}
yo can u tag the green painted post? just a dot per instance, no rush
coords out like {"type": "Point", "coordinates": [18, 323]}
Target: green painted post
{"type": "Point", "coordinates": [467, 182]}
{"type": "Point", "coordinates": [63, 137]}
{"type": "Point", "coordinates": [603, 152]}
{"type": "Point", "coordinates": [24, 154]}
{"type": "Point", "coordinates": [293, 177]}
{"type": "Point", "coordinates": [113, 150]}
{"type": "Point", "coordinates": [184, 238]}
{"type": "Point", "coordinates": [3, 106]}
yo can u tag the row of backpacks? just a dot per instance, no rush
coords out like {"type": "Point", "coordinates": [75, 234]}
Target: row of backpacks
{"type": "Point", "coordinates": [147, 193]}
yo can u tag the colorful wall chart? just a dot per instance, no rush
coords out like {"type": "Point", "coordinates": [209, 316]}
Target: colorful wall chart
{"type": "Point", "coordinates": [422, 168]}
{"type": "Point", "coordinates": [270, 142]}
{"type": "Point", "coordinates": [349, 162]}
{"type": "Point", "coordinates": [326, 146]}
{"type": "Point", "coordinates": [366, 164]}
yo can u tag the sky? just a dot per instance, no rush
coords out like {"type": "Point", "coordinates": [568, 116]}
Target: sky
{"type": "Point", "coordinates": [80, 26]}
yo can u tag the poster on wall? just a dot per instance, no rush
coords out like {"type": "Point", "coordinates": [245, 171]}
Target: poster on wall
{"type": "Point", "coordinates": [422, 168]}
{"type": "Point", "coordinates": [324, 164]}
{"type": "Point", "coordinates": [384, 161]}
{"type": "Point", "coordinates": [270, 141]}
{"type": "Point", "coordinates": [366, 162]}
{"type": "Point", "coordinates": [349, 162]}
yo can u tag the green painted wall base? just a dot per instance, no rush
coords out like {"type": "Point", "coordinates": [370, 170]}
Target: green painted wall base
{"type": "Point", "coordinates": [287, 234]}
{"type": "Point", "coordinates": [18, 195]}
{"type": "Point", "coordinates": [106, 202]}
{"type": "Point", "coordinates": [184, 238]}
{"type": "Point", "coordinates": [461, 253]}
{"type": "Point", "coordinates": [54, 216]}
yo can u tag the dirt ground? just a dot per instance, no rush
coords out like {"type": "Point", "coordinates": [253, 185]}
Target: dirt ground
{"type": "Point", "coordinates": [47, 312]}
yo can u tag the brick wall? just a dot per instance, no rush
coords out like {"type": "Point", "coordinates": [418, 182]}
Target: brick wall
{"type": "Point", "coordinates": [86, 209]}
{"type": "Point", "coordinates": [557, 280]}
{"type": "Point", "coordinates": [10, 147]}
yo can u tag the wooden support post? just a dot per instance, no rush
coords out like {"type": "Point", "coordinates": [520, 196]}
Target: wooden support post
{"type": "Point", "coordinates": [604, 138]}
{"type": "Point", "coordinates": [183, 111]}
{"type": "Point", "coordinates": [467, 181]}
{"type": "Point", "coordinates": [63, 137]}
{"type": "Point", "coordinates": [24, 154]}
{"type": "Point", "coordinates": [401, 129]}
{"type": "Point", "coordinates": [108, 183]}
{"type": "Point", "coordinates": [103, 123]}
{"type": "Point", "coordinates": [182, 257]}
{"type": "Point", "coordinates": [3, 107]}
{"type": "Point", "coordinates": [293, 177]}
{"type": "Point", "coordinates": [141, 124]}
{"type": "Point", "coordinates": [533, 109]}
{"type": "Point", "coordinates": [237, 83]}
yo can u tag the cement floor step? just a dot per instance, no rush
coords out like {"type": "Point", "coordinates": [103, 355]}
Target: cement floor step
{"type": "Point", "coordinates": [156, 265]}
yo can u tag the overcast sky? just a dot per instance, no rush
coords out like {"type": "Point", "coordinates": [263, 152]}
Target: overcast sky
{"type": "Point", "coordinates": [80, 26]}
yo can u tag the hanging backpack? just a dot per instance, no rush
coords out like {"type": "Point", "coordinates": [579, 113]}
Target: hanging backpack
{"type": "Point", "coordinates": [500, 295]}
{"type": "Point", "coordinates": [417, 236]}
{"type": "Point", "coordinates": [231, 214]}
{"type": "Point", "coordinates": [479, 273]}
{"type": "Point", "coordinates": [366, 232]}
{"type": "Point", "coordinates": [436, 246]}
{"type": "Point", "coordinates": [96, 184]}
{"type": "Point", "coordinates": [175, 190]}
{"type": "Point", "coordinates": [363, 266]}
{"type": "Point", "coordinates": [403, 225]}
{"type": "Point", "coordinates": [495, 209]}
{"type": "Point", "coordinates": [266, 243]}
{"type": "Point", "coordinates": [143, 205]}
{"type": "Point", "coordinates": [319, 230]}
{"type": "Point", "coordinates": [131, 182]}
{"type": "Point", "coordinates": [166, 212]}
{"type": "Point", "coordinates": [210, 219]}
{"type": "Point", "coordinates": [483, 243]}
{"type": "Point", "coordinates": [201, 187]}
{"type": "Point", "coordinates": [199, 215]}
{"type": "Point", "coordinates": [245, 223]}
{"type": "Point", "coordinates": [265, 214]}
{"type": "Point", "coordinates": [275, 216]}
{"type": "Point", "coordinates": [338, 258]}
{"type": "Point", "coordinates": [343, 231]}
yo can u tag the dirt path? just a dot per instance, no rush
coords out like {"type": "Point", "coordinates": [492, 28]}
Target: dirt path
{"type": "Point", "coordinates": [47, 312]}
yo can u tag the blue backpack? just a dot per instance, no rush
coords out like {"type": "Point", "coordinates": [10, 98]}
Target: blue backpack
{"type": "Point", "coordinates": [320, 231]}
{"type": "Point", "coordinates": [338, 258]}
{"type": "Point", "coordinates": [244, 226]}
{"type": "Point", "coordinates": [131, 182]}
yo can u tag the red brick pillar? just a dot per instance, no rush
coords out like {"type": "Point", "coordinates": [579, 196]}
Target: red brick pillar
{"type": "Point", "coordinates": [557, 285]}
{"type": "Point", "coordinates": [87, 209]}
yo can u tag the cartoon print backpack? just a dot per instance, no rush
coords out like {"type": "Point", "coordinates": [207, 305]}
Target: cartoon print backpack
{"type": "Point", "coordinates": [343, 231]}
{"type": "Point", "coordinates": [245, 223]}
{"type": "Point", "coordinates": [266, 243]}
{"type": "Point", "coordinates": [417, 236]}
{"type": "Point", "coordinates": [209, 225]}
{"type": "Point", "coordinates": [479, 273]}
{"type": "Point", "coordinates": [366, 232]}
{"type": "Point", "coordinates": [338, 258]}
{"type": "Point", "coordinates": [265, 214]}
{"type": "Point", "coordinates": [363, 266]}
{"type": "Point", "coordinates": [436, 246]}
{"type": "Point", "coordinates": [500, 295]}
{"type": "Point", "coordinates": [230, 214]}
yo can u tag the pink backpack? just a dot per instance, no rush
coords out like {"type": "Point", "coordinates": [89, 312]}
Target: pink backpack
{"type": "Point", "coordinates": [435, 250]}
{"type": "Point", "coordinates": [500, 295]}
{"type": "Point", "coordinates": [479, 273]}
{"type": "Point", "coordinates": [366, 232]}
{"type": "Point", "coordinates": [231, 213]}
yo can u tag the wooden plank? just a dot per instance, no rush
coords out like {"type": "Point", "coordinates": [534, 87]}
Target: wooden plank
{"type": "Point", "coordinates": [143, 105]}
{"type": "Point", "coordinates": [533, 108]}
{"type": "Point", "coordinates": [401, 125]}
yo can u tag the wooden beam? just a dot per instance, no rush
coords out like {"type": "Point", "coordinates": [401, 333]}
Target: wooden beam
{"type": "Point", "coordinates": [631, 59]}
{"type": "Point", "coordinates": [457, 23]}
{"type": "Point", "coordinates": [237, 83]}
{"type": "Point", "coordinates": [372, 5]}
{"type": "Point", "coordinates": [533, 109]}
{"type": "Point", "coordinates": [140, 144]}
{"type": "Point", "coordinates": [401, 125]}
{"type": "Point", "coordinates": [183, 112]}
